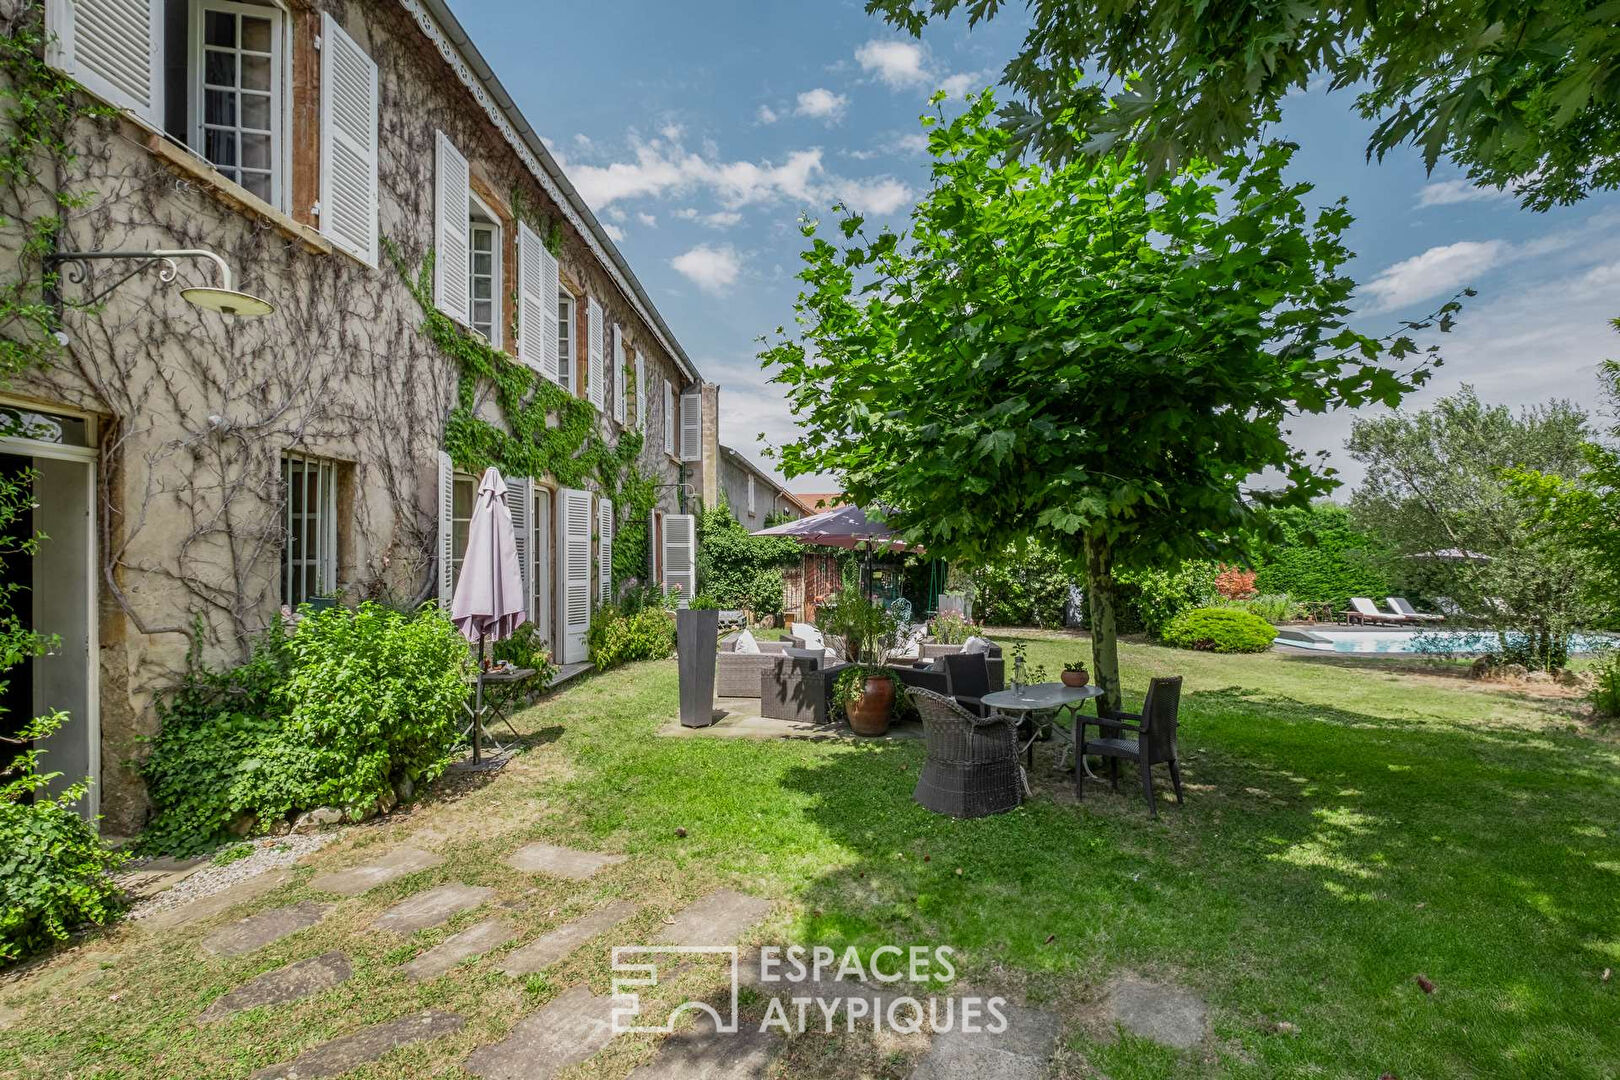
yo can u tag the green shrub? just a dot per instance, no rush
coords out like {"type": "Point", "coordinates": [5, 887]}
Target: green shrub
{"type": "Point", "coordinates": [1606, 688]}
{"type": "Point", "coordinates": [524, 649]}
{"type": "Point", "coordinates": [333, 714]}
{"type": "Point", "coordinates": [1147, 600]}
{"type": "Point", "coordinates": [55, 873]}
{"type": "Point", "coordinates": [1220, 629]}
{"type": "Point", "coordinates": [1319, 556]}
{"type": "Point", "coordinates": [951, 628]}
{"type": "Point", "coordinates": [741, 570]}
{"type": "Point", "coordinates": [616, 638]}
{"type": "Point", "coordinates": [1275, 608]}
{"type": "Point", "coordinates": [1023, 588]}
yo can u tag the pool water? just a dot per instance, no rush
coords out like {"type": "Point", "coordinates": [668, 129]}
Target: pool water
{"type": "Point", "coordinates": [1419, 642]}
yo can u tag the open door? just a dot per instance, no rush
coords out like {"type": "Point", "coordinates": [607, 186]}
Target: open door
{"type": "Point", "coordinates": [573, 572]}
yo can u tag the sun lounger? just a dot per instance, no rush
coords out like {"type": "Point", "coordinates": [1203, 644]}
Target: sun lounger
{"type": "Point", "coordinates": [1401, 605]}
{"type": "Point", "coordinates": [1363, 610]}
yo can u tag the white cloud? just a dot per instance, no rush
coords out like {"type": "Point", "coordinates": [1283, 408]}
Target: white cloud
{"type": "Point", "coordinates": [712, 269]}
{"type": "Point", "coordinates": [615, 233]}
{"type": "Point", "coordinates": [672, 132]}
{"type": "Point", "coordinates": [646, 219]}
{"type": "Point", "coordinates": [900, 64]}
{"type": "Point", "coordinates": [1435, 272]}
{"type": "Point", "coordinates": [821, 104]}
{"type": "Point", "coordinates": [767, 115]}
{"type": "Point", "coordinates": [964, 82]}
{"type": "Point", "coordinates": [722, 219]}
{"type": "Point", "coordinates": [1451, 192]}
{"type": "Point", "coordinates": [883, 195]}
{"type": "Point", "coordinates": [915, 143]}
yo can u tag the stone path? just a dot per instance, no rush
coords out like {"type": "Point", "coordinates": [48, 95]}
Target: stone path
{"type": "Point", "coordinates": [257, 931]}
{"type": "Point", "coordinates": [1166, 1014]}
{"type": "Point", "coordinates": [560, 861]}
{"type": "Point", "coordinates": [296, 980]}
{"type": "Point", "coordinates": [364, 1046]}
{"type": "Point", "coordinates": [568, 1030]}
{"type": "Point", "coordinates": [367, 876]}
{"type": "Point", "coordinates": [215, 903]}
{"type": "Point", "coordinates": [699, 1053]}
{"type": "Point", "coordinates": [1018, 1053]}
{"type": "Point", "coordinates": [431, 908]}
{"type": "Point", "coordinates": [545, 951]}
{"type": "Point", "coordinates": [719, 918]}
{"type": "Point", "coordinates": [476, 940]}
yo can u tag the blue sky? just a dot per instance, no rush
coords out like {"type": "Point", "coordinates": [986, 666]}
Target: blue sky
{"type": "Point", "coordinates": [699, 131]}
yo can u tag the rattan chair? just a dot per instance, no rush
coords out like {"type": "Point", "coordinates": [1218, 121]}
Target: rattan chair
{"type": "Point", "coordinates": [967, 680]}
{"type": "Point", "coordinates": [972, 768]}
{"type": "Point", "coordinates": [1149, 741]}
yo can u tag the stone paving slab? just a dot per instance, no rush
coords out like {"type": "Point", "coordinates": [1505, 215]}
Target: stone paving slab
{"type": "Point", "coordinates": [568, 1030]}
{"type": "Point", "coordinates": [349, 1052]}
{"type": "Point", "coordinates": [296, 980]}
{"type": "Point", "coordinates": [476, 940]}
{"type": "Point", "coordinates": [719, 918]}
{"type": "Point", "coordinates": [367, 876]}
{"type": "Point", "coordinates": [560, 861]}
{"type": "Point", "coordinates": [700, 1053]}
{"type": "Point", "coordinates": [213, 904]}
{"type": "Point", "coordinates": [1021, 1052]}
{"type": "Point", "coordinates": [156, 875]}
{"type": "Point", "coordinates": [8, 1017]}
{"type": "Point", "coordinates": [431, 908]}
{"type": "Point", "coordinates": [542, 952]}
{"type": "Point", "coordinates": [1168, 1015]}
{"type": "Point", "coordinates": [257, 931]}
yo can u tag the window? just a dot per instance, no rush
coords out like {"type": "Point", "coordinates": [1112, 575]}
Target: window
{"type": "Point", "coordinates": [669, 418]}
{"type": "Point", "coordinates": [484, 271]}
{"type": "Point", "coordinates": [565, 342]}
{"type": "Point", "coordinates": [461, 511]}
{"type": "Point", "coordinates": [236, 86]}
{"type": "Point", "coordinates": [750, 494]}
{"type": "Point", "coordinates": [309, 543]}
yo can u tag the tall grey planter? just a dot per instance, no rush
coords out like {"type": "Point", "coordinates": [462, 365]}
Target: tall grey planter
{"type": "Point", "coordinates": [696, 634]}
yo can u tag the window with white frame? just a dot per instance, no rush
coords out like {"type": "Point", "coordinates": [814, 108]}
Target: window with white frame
{"type": "Point", "coordinates": [751, 493]}
{"type": "Point", "coordinates": [461, 511]}
{"type": "Point", "coordinates": [484, 270]}
{"type": "Point", "coordinates": [309, 540]}
{"type": "Point", "coordinates": [235, 98]}
{"type": "Point", "coordinates": [565, 342]}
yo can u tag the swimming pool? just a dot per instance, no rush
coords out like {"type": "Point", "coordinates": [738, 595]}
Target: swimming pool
{"type": "Point", "coordinates": [1417, 642]}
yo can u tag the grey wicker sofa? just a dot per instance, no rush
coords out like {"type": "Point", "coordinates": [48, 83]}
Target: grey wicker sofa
{"type": "Point", "coordinates": [737, 674]}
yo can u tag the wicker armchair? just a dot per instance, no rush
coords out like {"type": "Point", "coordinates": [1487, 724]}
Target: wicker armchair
{"type": "Point", "coordinates": [972, 768]}
{"type": "Point", "coordinates": [736, 675]}
{"type": "Point", "coordinates": [793, 688]}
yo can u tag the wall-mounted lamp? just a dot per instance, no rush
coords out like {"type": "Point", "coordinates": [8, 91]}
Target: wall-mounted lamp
{"type": "Point", "coordinates": [224, 298]}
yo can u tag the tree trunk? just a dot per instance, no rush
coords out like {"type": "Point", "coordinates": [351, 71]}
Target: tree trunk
{"type": "Point", "coordinates": [1100, 605]}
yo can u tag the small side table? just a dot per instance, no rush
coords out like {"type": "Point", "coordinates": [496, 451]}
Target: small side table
{"type": "Point", "coordinates": [494, 678]}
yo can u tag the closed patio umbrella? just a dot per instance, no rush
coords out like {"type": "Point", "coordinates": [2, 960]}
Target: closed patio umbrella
{"type": "Point", "coordinates": [489, 604]}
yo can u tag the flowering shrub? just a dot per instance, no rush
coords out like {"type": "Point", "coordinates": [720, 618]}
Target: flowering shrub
{"type": "Point", "coordinates": [1235, 583]}
{"type": "Point", "coordinates": [952, 628]}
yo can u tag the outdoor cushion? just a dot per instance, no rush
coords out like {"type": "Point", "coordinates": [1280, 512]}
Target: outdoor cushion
{"type": "Point", "coordinates": [808, 634]}
{"type": "Point", "coordinates": [976, 644]}
{"type": "Point", "coordinates": [745, 643]}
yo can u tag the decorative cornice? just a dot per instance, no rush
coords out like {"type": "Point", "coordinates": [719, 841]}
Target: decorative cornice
{"type": "Point", "coordinates": [509, 132]}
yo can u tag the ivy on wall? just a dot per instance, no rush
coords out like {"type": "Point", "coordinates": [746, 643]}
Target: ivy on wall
{"type": "Point", "coordinates": [548, 431]}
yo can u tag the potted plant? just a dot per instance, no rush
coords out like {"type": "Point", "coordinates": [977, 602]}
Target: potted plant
{"type": "Point", "coordinates": [1075, 674]}
{"type": "Point", "coordinates": [867, 693]}
{"type": "Point", "coordinates": [697, 635]}
{"type": "Point", "coordinates": [867, 633]}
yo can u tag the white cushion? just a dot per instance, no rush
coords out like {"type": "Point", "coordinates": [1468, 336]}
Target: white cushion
{"type": "Point", "coordinates": [976, 644]}
{"type": "Point", "coordinates": [745, 643]}
{"type": "Point", "coordinates": [809, 635]}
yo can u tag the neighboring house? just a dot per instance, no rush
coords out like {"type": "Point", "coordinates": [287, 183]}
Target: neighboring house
{"type": "Point", "coordinates": [754, 495]}
{"type": "Point", "coordinates": [197, 472]}
{"type": "Point", "coordinates": [821, 501]}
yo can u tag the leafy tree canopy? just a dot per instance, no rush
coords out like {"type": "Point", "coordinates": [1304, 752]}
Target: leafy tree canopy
{"type": "Point", "coordinates": [1524, 93]}
{"type": "Point", "coordinates": [1084, 355]}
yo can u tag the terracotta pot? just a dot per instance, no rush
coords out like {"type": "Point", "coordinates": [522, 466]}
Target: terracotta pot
{"type": "Point", "coordinates": [1075, 679]}
{"type": "Point", "coordinates": [869, 713]}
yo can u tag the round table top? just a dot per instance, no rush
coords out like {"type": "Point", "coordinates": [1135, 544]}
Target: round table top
{"type": "Point", "coordinates": [1039, 696]}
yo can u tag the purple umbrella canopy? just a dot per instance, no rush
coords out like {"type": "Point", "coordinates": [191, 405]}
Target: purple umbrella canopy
{"type": "Point", "coordinates": [489, 601]}
{"type": "Point", "coordinates": [845, 527]}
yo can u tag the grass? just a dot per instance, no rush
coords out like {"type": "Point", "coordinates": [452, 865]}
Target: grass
{"type": "Point", "coordinates": [1348, 827]}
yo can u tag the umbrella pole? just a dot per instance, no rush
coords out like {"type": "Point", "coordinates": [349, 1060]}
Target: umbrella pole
{"type": "Point", "coordinates": [478, 701]}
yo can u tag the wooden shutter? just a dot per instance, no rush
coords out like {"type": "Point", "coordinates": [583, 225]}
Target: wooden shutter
{"type": "Point", "coordinates": [349, 112]}
{"type": "Point", "coordinates": [594, 376]}
{"type": "Point", "coordinates": [619, 360]}
{"type": "Point", "coordinates": [574, 572]}
{"type": "Point", "coordinates": [604, 558]}
{"type": "Point", "coordinates": [451, 243]}
{"type": "Point", "coordinates": [669, 417]}
{"type": "Point", "coordinates": [520, 501]}
{"type": "Point", "coordinates": [538, 283]}
{"type": "Point", "coordinates": [114, 48]}
{"type": "Point", "coordinates": [680, 553]}
{"type": "Point", "coordinates": [692, 425]}
{"type": "Point", "coordinates": [447, 535]}
{"type": "Point", "coordinates": [641, 391]}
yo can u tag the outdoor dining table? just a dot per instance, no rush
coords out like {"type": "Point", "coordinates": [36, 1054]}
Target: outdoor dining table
{"type": "Point", "coordinates": [1039, 698]}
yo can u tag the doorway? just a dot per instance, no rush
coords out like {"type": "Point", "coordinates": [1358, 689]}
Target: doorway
{"type": "Point", "coordinates": [55, 595]}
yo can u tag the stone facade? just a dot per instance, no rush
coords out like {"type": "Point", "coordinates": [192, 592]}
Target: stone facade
{"type": "Point", "coordinates": [193, 413]}
{"type": "Point", "coordinates": [770, 497]}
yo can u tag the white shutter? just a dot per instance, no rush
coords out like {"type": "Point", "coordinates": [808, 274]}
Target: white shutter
{"type": "Point", "coordinates": [520, 501]}
{"type": "Point", "coordinates": [537, 304]}
{"type": "Point", "coordinates": [114, 48]}
{"type": "Point", "coordinates": [669, 418]}
{"type": "Point", "coordinates": [692, 425]}
{"type": "Point", "coordinates": [653, 552]}
{"type": "Point", "coordinates": [641, 391]}
{"type": "Point", "coordinates": [594, 375]}
{"type": "Point", "coordinates": [680, 553]}
{"type": "Point", "coordinates": [451, 244]}
{"type": "Point", "coordinates": [618, 374]}
{"type": "Point", "coordinates": [349, 111]}
{"type": "Point", "coordinates": [574, 572]}
{"type": "Point", "coordinates": [605, 550]}
{"type": "Point", "coordinates": [750, 493]}
{"type": "Point", "coordinates": [447, 536]}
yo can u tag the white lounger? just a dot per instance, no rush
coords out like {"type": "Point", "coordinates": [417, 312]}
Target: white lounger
{"type": "Point", "coordinates": [1404, 607]}
{"type": "Point", "coordinates": [1364, 610]}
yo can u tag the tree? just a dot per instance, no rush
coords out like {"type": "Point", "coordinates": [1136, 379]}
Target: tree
{"type": "Point", "coordinates": [1440, 479]}
{"type": "Point", "coordinates": [1080, 356]}
{"type": "Point", "coordinates": [1525, 94]}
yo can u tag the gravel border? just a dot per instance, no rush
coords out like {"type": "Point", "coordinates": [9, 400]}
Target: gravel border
{"type": "Point", "coordinates": [269, 853]}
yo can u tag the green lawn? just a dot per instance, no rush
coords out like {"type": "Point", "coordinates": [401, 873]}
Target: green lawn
{"type": "Point", "coordinates": [1348, 827]}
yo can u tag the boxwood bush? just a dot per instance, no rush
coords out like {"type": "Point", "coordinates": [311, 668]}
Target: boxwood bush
{"type": "Point", "coordinates": [1220, 629]}
{"type": "Point", "coordinates": [618, 637]}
